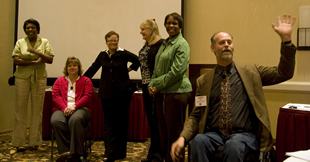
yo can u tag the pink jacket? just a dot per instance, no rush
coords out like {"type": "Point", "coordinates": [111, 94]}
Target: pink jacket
{"type": "Point", "coordinates": [83, 94]}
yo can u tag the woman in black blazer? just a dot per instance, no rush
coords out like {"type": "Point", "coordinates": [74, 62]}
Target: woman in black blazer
{"type": "Point", "coordinates": [115, 94]}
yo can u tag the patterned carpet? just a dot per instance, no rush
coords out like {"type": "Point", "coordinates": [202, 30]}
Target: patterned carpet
{"type": "Point", "coordinates": [136, 151]}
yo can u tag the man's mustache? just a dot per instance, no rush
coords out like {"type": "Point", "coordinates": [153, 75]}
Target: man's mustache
{"type": "Point", "coordinates": [227, 50]}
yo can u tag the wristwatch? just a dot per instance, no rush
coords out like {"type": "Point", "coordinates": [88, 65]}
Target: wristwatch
{"type": "Point", "coordinates": [74, 107]}
{"type": "Point", "coordinates": [287, 42]}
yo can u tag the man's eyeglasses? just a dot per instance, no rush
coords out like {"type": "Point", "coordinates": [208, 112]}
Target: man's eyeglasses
{"type": "Point", "coordinates": [112, 41]}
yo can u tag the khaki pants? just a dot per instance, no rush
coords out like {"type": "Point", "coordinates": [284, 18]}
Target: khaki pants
{"type": "Point", "coordinates": [24, 88]}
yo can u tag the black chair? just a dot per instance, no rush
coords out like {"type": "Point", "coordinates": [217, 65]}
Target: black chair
{"type": "Point", "coordinates": [87, 142]}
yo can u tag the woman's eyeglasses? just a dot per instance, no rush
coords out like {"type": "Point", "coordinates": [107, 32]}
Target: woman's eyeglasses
{"type": "Point", "coordinates": [112, 41]}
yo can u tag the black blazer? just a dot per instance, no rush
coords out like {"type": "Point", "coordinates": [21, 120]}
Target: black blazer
{"type": "Point", "coordinates": [114, 80]}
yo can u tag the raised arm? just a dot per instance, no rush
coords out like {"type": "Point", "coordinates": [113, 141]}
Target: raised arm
{"type": "Point", "coordinates": [284, 28]}
{"type": "Point", "coordinates": [285, 69]}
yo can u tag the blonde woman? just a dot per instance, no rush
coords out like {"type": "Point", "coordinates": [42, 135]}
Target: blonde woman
{"type": "Point", "coordinates": [150, 33]}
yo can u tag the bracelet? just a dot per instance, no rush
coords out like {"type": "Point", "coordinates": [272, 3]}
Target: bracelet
{"type": "Point", "coordinates": [287, 42]}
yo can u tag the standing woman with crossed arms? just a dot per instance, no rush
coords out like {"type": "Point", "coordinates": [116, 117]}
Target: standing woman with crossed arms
{"type": "Point", "coordinates": [30, 55]}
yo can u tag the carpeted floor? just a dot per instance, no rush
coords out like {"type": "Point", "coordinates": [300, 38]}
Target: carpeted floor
{"type": "Point", "coordinates": [136, 151]}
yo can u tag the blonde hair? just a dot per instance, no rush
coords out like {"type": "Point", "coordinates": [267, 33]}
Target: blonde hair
{"type": "Point", "coordinates": [152, 25]}
{"type": "Point", "coordinates": [72, 59]}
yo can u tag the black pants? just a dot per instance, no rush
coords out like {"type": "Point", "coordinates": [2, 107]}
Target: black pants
{"type": "Point", "coordinates": [151, 114]}
{"type": "Point", "coordinates": [116, 112]}
{"type": "Point", "coordinates": [69, 130]}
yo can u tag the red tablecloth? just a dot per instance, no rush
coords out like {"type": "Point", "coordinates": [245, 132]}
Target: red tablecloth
{"type": "Point", "coordinates": [293, 132]}
{"type": "Point", "coordinates": [138, 128]}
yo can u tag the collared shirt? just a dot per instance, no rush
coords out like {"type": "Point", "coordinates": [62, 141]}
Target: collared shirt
{"type": "Point", "coordinates": [242, 112]}
{"type": "Point", "coordinates": [34, 71]}
{"type": "Point", "coordinates": [171, 63]}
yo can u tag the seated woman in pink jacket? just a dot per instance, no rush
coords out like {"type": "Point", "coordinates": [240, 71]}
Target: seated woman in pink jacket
{"type": "Point", "coordinates": [72, 95]}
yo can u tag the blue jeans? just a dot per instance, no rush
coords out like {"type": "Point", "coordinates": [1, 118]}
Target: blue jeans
{"type": "Point", "coordinates": [236, 146]}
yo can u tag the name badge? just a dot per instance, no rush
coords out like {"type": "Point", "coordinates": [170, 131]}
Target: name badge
{"type": "Point", "coordinates": [200, 101]}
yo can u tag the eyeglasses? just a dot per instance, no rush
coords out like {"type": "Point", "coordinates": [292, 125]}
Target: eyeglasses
{"type": "Point", "coordinates": [112, 41]}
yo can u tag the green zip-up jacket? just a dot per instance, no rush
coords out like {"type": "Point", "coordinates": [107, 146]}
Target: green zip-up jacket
{"type": "Point", "coordinates": [171, 63]}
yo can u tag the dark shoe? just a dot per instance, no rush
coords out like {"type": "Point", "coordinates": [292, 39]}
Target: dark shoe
{"type": "Point", "coordinates": [63, 158]}
{"type": "Point", "coordinates": [156, 160]}
{"type": "Point", "coordinates": [77, 158]}
{"type": "Point", "coordinates": [151, 160]}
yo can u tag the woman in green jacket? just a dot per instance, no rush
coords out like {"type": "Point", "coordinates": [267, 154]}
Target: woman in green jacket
{"type": "Point", "coordinates": [169, 83]}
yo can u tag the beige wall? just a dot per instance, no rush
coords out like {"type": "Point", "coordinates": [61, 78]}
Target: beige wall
{"type": "Point", "coordinates": [254, 39]}
{"type": "Point", "coordinates": [250, 24]}
{"type": "Point", "coordinates": [7, 93]}
{"type": "Point", "coordinates": [248, 21]}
